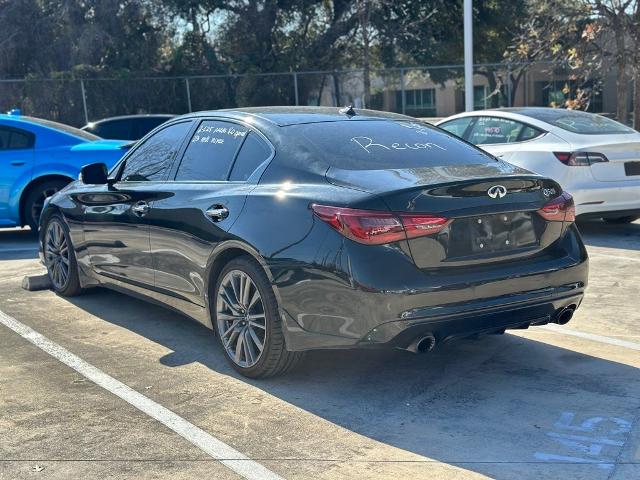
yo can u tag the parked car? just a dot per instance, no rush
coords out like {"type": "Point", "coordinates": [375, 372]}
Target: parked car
{"type": "Point", "coordinates": [39, 157]}
{"type": "Point", "coordinates": [594, 158]}
{"type": "Point", "coordinates": [292, 229]}
{"type": "Point", "coordinates": [128, 127]}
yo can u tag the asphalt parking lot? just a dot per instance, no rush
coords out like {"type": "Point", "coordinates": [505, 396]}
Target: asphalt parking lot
{"type": "Point", "coordinates": [556, 402]}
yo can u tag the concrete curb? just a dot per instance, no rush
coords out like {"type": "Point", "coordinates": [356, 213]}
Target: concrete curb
{"type": "Point", "coordinates": [36, 282]}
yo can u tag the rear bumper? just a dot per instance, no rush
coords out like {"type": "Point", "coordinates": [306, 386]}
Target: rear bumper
{"type": "Point", "coordinates": [475, 319]}
{"type": "Point", "coordinates": [365, 301]}
{"type": "Point", "coordinates": [604, 197]}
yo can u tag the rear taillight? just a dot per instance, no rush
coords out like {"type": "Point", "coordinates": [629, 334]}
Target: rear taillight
{"type": "Point", "coordinates": [375, 228]}
{"type": "Point", "coordinates": [560, 209]}
{"type": "Point", "coordinates": [580, 159]}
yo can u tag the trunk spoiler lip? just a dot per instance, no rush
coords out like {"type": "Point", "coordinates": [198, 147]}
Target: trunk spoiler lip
{"type": "Point", "coordinates": [431, 186]}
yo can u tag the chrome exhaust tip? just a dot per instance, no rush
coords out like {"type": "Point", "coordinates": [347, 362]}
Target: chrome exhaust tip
{"type": "Point", "coordinates": [564, 315]}
{"type": "Point", "coordinates": [423, 344]}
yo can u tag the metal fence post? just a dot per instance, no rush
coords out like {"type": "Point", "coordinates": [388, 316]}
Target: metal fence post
{"type": "Point", "coordinates": [186, 84]}
{"type": "Point", "coordinates": [295, 87]}
{"type": "Point", "coordinates": [403, 96]}
{"type": "Point", "coordinates": [84, 101]}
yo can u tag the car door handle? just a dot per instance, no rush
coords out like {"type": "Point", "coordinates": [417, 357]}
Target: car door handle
{"type": "Point", "coordinates": [17, 163]}
{"type": "Point", "coordinates": [217, 213]}
{"type": "Point", "coordinates": [141, 208]}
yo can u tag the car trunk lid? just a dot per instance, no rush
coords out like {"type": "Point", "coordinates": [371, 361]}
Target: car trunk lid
{"type": "Point", "coordinates": [492, 217]}
{"type": "Point", "coordinates": [623, 155]}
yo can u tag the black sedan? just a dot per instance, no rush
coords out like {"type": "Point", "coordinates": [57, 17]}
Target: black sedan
{"type": "Point", "coordinates": [291, 229]}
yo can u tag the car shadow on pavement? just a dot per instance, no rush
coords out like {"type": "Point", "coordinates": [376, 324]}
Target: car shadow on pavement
{"type": "Point", "coordinates": [597, 233]}
{"type": "Point", "coordinates": [18, 244]}
{"type": "Point", "coordinates": [487, 405]}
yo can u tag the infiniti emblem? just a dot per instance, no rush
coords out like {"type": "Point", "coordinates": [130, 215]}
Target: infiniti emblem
{"type": "Point", "coordinates": [497, 191]}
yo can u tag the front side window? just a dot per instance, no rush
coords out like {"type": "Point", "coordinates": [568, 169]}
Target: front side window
{"type": "Point", "coordinates": [152, 160]}
{"type": "Point", "coordinates": [491, 130]}
{"type": "Point", "coordinates": [211, 151]}
{"type": "Point", "coordinates": [11, 139]}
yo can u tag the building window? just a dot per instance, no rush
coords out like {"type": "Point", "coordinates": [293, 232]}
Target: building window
{"type": "Point", "coordinates": [419, 103]}
{"type": "Point", "coordinates": [480, 100]}
{"type": "Point", "coordinates": [557, 92]}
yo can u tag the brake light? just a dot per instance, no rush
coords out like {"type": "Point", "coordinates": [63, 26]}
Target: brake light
{"type": "Point", "coordinates": [580, 159]}
{"type": "Point", "coordinates": [375, 227]}
{"type": "Point", "coordinates": [560, 209]}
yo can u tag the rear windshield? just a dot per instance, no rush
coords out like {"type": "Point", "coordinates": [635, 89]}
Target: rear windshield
{"type": "Point", "coordinates": [76, 132]}
{"type": "Point", "coordinates": [386, 144]}
{"type": "Point", "coordinates": [579, 122]}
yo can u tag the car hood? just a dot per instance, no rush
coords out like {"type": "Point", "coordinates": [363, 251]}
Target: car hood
{"type": "Point", "coordinates": [101, 145]}
{"type": "Point", "coordinates": [376, 181]}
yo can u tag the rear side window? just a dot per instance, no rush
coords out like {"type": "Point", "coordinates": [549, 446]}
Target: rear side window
{"type": "Point", "coordinates": [457, 126]}
{"type": "Point", "coordinates": [211, 151]}
{"type": "Point", "coordinates": [152, 160]}
{"type": "Point", "coordinates": [11, 139]}
{"type": "Point", "coordinates": [387, 144]}
{"type": "Point", "coordinates": [115, 130]}
{"type": "Point", "coordinates": [254, 151]}
{"type": "Point", "coordinates": [529, 133]}
{"type": "Point", "coordinates": [490, 130]}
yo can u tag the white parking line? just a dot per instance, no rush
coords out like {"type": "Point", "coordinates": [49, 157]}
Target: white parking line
{"type": "Point", "coordinates": [593, 337]}
{"type": "Point", "coordinates": [617, 257]}
{"type": "Point", "coordinates": [209, 444]}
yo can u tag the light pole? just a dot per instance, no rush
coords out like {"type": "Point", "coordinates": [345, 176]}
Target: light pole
{"type": "Point", "coordinates": [468, 56]}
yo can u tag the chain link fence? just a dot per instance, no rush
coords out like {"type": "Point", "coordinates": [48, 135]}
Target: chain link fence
{"type": "Point", "coordinates": [421, 92]}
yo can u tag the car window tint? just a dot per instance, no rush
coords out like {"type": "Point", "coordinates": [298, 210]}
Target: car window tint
{"type": "Point", "coordinates": [576, 121]}
{"type": "Point", "coordinates": [490, 130]}
{"type": "Point", "coordinates": [254, 151]}
{"type": "Point", "coordinates": [19, 140]}
{"type": "Point", "coordinates": [386, 144]}
{"type": "Point", "coordinates": [211, 151]}
{"type": "Point", "coordinates": [114, 129]}
{"type": "Point", "coordinates": [152, 160]}
{"type": "Point", "coordinates": [529, 133]}
{"type": "Point", "coordinates": [145, 125]}
{"type": "Point", "coordinates": [457, 126]}
{"type": "Point", "coordinates": [11, 139]}
{"type": "Point", "coordinates": [5, 135]}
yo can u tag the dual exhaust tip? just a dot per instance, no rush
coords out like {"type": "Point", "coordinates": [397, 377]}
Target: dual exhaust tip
{"type": "Point", "coordinates": [426, 342]}
{"type": "Point", "coordinates": [423, 344]}
{"type": "Point", "coordinates": [563, 315]}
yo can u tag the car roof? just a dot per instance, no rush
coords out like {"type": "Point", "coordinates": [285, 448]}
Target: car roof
{"type": "Point", "coordinates": [129, 117]}
{"type": "Point", "coordinates": [284, 116]}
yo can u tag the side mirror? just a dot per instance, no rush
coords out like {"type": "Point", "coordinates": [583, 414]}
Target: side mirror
{"type": "Point", "coordinates": [94, 174]}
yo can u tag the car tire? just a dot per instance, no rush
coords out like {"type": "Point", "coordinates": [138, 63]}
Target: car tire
{"type": "Point", "coordinates": [621, 220]}
{"type": "Point", "coordinates": [236, 314]}
{"type": "Point", "coordinates": [60, 258]}
{"type": "Point", "coordinates": [35, 199]}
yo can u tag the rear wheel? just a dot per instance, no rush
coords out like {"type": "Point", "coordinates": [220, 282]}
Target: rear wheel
{"type": "Point", "coordinates": [60, 259]}
{"type": "Point", "coordinates": [246, 320]}
{"type": "Point", "coordinates": [621, 220]}
{"type": "Point", "coordinates": [35, 201]}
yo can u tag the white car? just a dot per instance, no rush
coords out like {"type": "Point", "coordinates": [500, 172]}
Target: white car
{"type": "Point", "coordinates": [594, 158]}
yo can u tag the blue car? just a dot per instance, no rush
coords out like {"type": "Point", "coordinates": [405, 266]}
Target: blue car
{"type": "Point", "coordinates": [38, 158]}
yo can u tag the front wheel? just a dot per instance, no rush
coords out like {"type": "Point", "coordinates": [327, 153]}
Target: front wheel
{"type": "Point", "coordinates": [60, 259]}
{"type": "Point", "coordinates": [246, 320]}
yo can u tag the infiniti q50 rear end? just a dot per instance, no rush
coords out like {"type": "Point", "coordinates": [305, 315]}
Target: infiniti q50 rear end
{"type": "Point", "coordinates": [287, 230]}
